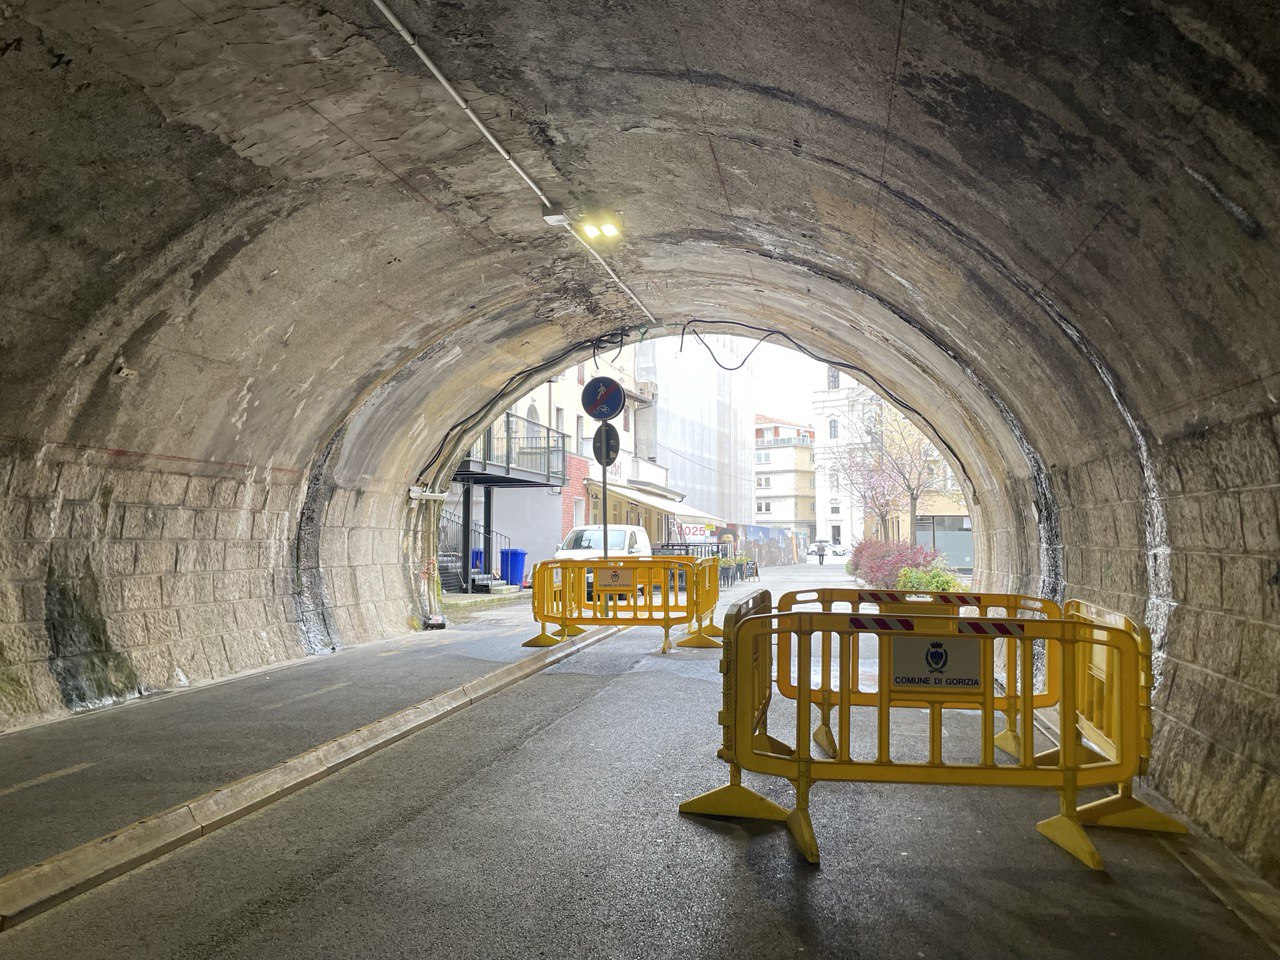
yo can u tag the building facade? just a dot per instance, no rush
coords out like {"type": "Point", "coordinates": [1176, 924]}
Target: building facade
{"type": "Point", "coordinates": [840, 405]}
{"type": "Point", "coordinates": [702, 422]}
{"type": "Point", "coordinates": [785, 489]}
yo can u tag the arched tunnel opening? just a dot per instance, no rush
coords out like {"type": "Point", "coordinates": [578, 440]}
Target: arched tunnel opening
{"type": "Point", "coordinates": [267, 267]}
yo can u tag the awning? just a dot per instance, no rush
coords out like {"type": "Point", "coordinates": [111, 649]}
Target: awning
{"type": "Point", "coordinates": [681, 511]}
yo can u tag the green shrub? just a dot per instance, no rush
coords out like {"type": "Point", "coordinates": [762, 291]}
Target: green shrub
{"type": "Point", "coordinates": [934, 578]}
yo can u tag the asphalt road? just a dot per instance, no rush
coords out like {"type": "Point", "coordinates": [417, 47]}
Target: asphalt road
{"type": "Point", "coordinates": [65, 783]}
{"type": "Point", "coordinates": [542, 822]}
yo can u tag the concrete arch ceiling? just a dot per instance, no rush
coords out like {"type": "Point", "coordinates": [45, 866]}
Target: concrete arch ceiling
{"type": "Point", "coordinates": [1065, 204]}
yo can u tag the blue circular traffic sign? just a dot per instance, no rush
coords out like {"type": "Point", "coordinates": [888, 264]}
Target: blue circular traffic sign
{"type": "Point", "coordinates": [603, 398]}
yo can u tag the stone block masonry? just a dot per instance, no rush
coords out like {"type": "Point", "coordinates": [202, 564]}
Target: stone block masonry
{"type": "Point", "coordinates": [121, 579]}
{"type": "Point", "coordinates": [1217, 704]}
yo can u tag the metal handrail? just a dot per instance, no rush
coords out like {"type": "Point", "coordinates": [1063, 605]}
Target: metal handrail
{"type": "Point", "coordinates": [516, 442]}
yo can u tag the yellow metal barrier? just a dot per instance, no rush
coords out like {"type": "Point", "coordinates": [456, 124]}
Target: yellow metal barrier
{"type": "Point", "coordinates": [574, 595]}
{"type": "Point", "coordinates": [1018, 661]}
{"type": "Point", "coordinates": [705, 588]}
{"type": "Point", "coordinates": [935, 662]}
{"type": "Point", "coordinates": [1097, 703]}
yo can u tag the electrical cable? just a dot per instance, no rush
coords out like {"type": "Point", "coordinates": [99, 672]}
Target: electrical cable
{"type": "Point", "coordinates": [852, 368]}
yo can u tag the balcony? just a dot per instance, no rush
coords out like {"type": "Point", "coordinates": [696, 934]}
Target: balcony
{"type": "Point", "coordinates": [784, 441]}
{"type": "Point", "coordinates": [515, 452]}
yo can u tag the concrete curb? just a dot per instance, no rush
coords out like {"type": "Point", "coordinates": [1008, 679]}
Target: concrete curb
{"type": "Point", "coordinates": [34, 889]}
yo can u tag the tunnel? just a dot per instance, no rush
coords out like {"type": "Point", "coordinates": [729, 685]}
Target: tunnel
{"type": "Point", "coordinates": [263, 274]}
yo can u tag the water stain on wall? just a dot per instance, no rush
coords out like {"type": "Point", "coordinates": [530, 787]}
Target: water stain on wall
{"type": "Point", "coordinates": [88, 671]}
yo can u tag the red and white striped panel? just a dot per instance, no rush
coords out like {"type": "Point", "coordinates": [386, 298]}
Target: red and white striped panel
{"type": "Point", "coordinates": [880, 596]}
{"type": "Point", "coordinates": [881, 623]}
{"type": "Point", "coordinates": [960, 599]}
{"type": "Point", "coordinates": [991, 629]}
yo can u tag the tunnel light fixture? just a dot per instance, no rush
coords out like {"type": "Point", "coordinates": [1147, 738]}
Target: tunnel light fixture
{"type": "Point", "coordinates": [601, 226]}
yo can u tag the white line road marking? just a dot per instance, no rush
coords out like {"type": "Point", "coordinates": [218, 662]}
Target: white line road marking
{"type": "Point", "coordinates": [44, 778]}
{"type": "Point", "coordinates": [304, 696]}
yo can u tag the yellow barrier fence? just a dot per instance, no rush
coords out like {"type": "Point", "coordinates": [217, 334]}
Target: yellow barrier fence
{"type": "Point", "coordinates": [931, 661]}
{"type": "Point", "coordinates": [1098, 701]}
{"type": "Point", "coordinates": [1018, 661]}
{"type": "Point", "coordinates": [705, 587]}
{"type": "Point", "coordinates": [574, 595]}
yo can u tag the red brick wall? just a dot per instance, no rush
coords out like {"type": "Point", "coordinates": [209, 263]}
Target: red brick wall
{"type": "Point", "coordinates": [575, 469]}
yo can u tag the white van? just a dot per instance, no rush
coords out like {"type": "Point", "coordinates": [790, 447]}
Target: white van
{"type": "Point", "coordinates": [587, 543]}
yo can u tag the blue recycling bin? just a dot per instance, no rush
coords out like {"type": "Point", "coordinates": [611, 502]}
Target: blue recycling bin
{"type": "Point", "coordinates": [477, 559]}
{"type": "Point", "coordinates": [512, 565]}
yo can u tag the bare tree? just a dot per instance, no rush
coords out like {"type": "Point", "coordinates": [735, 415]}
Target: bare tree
{"type": "Point", "coordinates": [891, 466]}
{"type": "Point", "coordinates": [875, 489]}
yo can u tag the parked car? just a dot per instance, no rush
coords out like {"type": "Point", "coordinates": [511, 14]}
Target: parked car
{"type": "Point", "coordinates": [587, 543]}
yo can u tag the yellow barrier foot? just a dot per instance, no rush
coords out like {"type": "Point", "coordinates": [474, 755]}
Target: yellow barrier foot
{"type": "Point", "coordinates": [801, 828]}
{"type": "Point", "coordinates": [700, 639]}
{"type": "Point", "coordinates": [734, 800]}
{"type": "Point", "coordinates": [762, 741]}
{"type": "Point", "coordinates": [573, 630]}
{"type": "Point", "coordinates": [1070, 836]}
{"type": "Point", "coordinates": [1086, 755]}
{"type": "Point", "coordinates": [712, 630]}
{"type": "Point", "coordinates": [825, 739]}
{"type": "Point", "coordinates": [1009, 741]}
{"type": "Point", "coordinates": [543, 639]}
{"type": "Point", "coordinates": [1128, 813]}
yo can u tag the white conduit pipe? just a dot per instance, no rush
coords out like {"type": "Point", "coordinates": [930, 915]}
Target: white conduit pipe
{"type": "Point", "coordinates": [613, 276]}
{"type": "Point", "coordinates": [444, 82]}
{"type": "Point", "coordinates": [435, 71]}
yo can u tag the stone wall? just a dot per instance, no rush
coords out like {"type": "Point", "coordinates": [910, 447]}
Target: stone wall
{"type": "Point", "coordinates": [364, 542]}
{"type": "Point", "coordinates": [1216, 751]}
{"type": "Point", "coordinates": [123, 575]}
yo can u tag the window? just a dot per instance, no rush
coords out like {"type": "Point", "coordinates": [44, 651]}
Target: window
{"type": "Point", "coordinates": [833, 378]}
{"type": "Point", "coordinates": [579, 440]}
{"type": "Point", "coordinates": [764, 506]}
{"type": "Point", "coordinates": [579, 511]}
{"type": "Point", "coordinates": [835, 509]}
{"type": "Point", "coordinates": [762, 456]}
{"type": "Point", "coordinates": [560, 419]}
{"type": "Point", "coordinates": [589, 539]}
{"type": "Point", "coordinates": [764, 481]}
{"type": "Point", "coordinates": [582, 373]}
{"type": "Point", "coordinates": [834, 428]}
{"type": "Point", "coordinates": [626, 419]}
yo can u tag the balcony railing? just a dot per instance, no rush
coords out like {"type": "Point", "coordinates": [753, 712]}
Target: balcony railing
{"type": "Point", "coordinates": [784, 441]}
{"type": "Point", "coordinates": [513, 443]}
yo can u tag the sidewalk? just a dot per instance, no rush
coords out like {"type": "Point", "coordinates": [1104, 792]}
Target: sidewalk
{"type": "Point", "coordinates": [65, 783]}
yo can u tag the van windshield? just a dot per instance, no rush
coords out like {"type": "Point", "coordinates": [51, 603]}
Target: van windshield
{"type": "Point", "coordinates": [590, 539]}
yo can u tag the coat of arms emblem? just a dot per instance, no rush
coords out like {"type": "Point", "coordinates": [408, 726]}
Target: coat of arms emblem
{"type": "Point", "coordinates": [935, 657]}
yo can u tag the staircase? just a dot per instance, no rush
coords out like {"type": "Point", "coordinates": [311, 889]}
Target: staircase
{"type": "Point", "coordinates": [450, 558]}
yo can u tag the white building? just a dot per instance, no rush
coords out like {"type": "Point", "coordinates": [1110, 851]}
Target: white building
{"type": "Point", "coordinates": [702, 422]}
{"type": "Point", "coordinates": [784, 473]}
{"type": "Point", "coordinates": [839, 405]}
